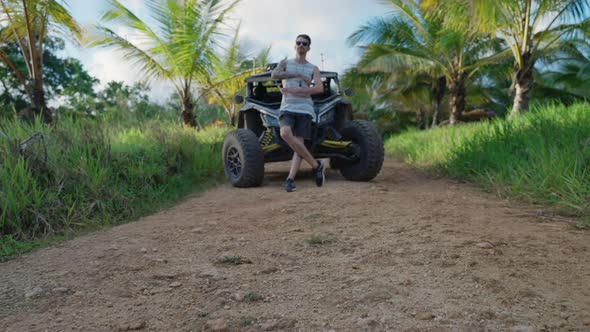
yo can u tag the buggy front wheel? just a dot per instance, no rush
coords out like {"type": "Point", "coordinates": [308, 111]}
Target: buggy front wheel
{"type": "Point", "coordinates": [243, 159]}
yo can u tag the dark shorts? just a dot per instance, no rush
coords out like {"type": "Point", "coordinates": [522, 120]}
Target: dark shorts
{"type": "Point", "coordinates": [300, 123]}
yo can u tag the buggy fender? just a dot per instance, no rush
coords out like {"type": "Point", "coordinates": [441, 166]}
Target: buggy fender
{"type": "Point", "coordinates": [343, 114]}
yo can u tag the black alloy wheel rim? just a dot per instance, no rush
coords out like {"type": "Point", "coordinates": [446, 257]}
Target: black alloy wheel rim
{"type": "Point", "coordinates": [234, 162]}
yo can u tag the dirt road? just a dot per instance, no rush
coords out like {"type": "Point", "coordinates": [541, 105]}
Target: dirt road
{"type": "Point", "coordinates": [402, 253]}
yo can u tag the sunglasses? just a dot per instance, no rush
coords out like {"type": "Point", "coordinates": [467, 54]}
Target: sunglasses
{"type": "Point", "coordinates": [302, 43]}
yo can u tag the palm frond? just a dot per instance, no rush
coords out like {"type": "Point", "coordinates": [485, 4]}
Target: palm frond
{"type": "Point", "coordinates": [409, 10]}
{"type": "Point", "coordinates": [182, 45]}
{"type": "Point", "coordinates": [263, 57]}
{"type": "Point", "coordinates": [61, 20]}
{"type": "Point", "coordinates": [150, 67]}
{"type": "Point", "coordinates": [389, 58]}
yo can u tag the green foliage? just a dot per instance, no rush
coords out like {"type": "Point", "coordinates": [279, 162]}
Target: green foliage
{"type": "Point", "coordinates": [234, 260]}
{"type": "Point", "coordinates": [10, 247]}
{"type": "Point", "coordinates": [26, 26]}
{"type": "Point", "coordinates": [13, 93]}
{"type": "Point", "coordinates": [61, 76]}
{"type": "Point", "coordinates": [253, 297]}
{"type": "Point", "coordinates": [86, 173]}
{"type": "Point", "coordinates": [384, 107]}
{"type": "Point", "coordinates": [422, 41]}
{"type": "Point", "coordinates": [246, 321]}
{"type": "Point", "coordinates": [231, 69]}
{"type": "Point", "coordinates": [530, 28]}
{"type": "Point", "coordinates": [180, 45]}
{"type": "Point", "coordinates": [567, 74]}
{"type": "Point", "coordinates": [118, 103]}
{"type": "Point", "coordinates": [543, 157]}
{"type": "Point", "coordinates": [415, 60]}
{"type": "Point", "coordinates": [24, 192]}
{"type": "Point", "coordinates": [318, 240]}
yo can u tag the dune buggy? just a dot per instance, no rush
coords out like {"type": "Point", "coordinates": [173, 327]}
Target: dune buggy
{"type": "Point", "coordinates": [354, 147]}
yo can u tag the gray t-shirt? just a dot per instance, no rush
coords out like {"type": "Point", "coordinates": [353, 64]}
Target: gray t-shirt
{"type": "Point", "coordinates": [298, 103]}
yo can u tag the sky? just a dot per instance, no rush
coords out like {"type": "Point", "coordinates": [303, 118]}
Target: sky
{"type": "Point", "coordinates": [264, 23]}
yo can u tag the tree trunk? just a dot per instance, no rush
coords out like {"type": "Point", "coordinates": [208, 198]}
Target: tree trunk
{"type": "Point", "coordinates": [522, 80]}
{"type": "Point", "coordinates": [39, 104]}
{"type": "Point", "coordinates": [187, 115]}
{"type": "Point", "coordinates": [232, 114]}
{"type": "Point", "coordinates": [457, 94]}
{"type": "Point", "coordinates": [421, 119]}
{"type": "Point", "coordinates": [35, 50]}
{"type": "Point", "coordinates": [439, 93]}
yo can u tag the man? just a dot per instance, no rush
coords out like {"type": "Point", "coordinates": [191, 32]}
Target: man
{"type": "Point", "coordinates": [297, 110]}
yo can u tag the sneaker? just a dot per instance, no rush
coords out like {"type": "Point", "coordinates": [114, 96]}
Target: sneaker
{"type": "Point", "coordinates": [319, 175]}
{"type": "Point", "coordinates": [290, 185]}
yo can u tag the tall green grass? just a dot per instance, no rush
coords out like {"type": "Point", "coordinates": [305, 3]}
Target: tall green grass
{"type": "Point", "coordinates": [83, 173]}
{"type": "Point", "coordinates": [541, 157]}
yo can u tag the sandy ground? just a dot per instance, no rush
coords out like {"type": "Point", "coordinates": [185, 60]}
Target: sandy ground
{"type": "Point", "coordinates": [404, 252]}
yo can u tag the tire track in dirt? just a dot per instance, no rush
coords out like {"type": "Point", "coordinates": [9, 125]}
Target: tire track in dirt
{"type": "Point", "coordinates": [403, 253]}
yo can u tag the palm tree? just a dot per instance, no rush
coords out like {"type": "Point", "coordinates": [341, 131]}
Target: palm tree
{"type": "Point", "coordinates": [415, 41]}
{"type": "Point", "coordinates": [489, 88]}
{"type": "Point", "coordinates": [28, 23]}
{"type": "Point", "coordinates": [182, 49]}
{"type": "Point", "coordinates": [385, 96]}
{"type": "Point", "coordinates": [230, 72]}
{"type": "Point", "coordinates": [568, 74]}
{"type": "Point", "coordinates": [529, 27]}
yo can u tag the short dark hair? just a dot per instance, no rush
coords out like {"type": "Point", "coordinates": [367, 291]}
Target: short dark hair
{"type": "Point", "coordinates": [304, 36]}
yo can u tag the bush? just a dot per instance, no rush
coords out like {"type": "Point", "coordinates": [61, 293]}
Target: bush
{"type": "Point", "coordinates": [84, 173]}
{"type": "Point", "coordinates": [541, 157]}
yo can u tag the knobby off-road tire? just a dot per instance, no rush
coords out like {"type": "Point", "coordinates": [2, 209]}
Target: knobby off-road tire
{"type": "Point", "coordinates": [336, 163]}
{"type": "Point", "coordinates": [243, 159]}
{"type": "Point", "coordinates": [364, 134]}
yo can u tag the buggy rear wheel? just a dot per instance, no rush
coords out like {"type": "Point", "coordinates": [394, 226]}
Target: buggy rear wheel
{"type": "Point", "coordinates": [336, 163]}
{"type": "Point", "coordinates": [371, 155]}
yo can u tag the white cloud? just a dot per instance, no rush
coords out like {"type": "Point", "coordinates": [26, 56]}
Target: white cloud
{"type": "Point", "coordinates": [328, 22]}
{"type": "Point", "coordinates": [134, 4]}
{"type": "Point", "coordinates": [108, 65]}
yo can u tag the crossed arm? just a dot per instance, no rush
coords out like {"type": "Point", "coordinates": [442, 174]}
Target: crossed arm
{"type": "Point", "coordinates": [280, 72]}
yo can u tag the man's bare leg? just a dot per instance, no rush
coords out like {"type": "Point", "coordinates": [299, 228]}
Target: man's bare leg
{"type": "Point", "coordinates": [295, 165]}
{"type": "Point", "coordinates": [298, 146]}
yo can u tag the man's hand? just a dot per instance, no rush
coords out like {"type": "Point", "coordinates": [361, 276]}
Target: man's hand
{"type": "Point", "coordinates": [280, 72]}
{"type": "Point", "coordinates": [306, 79]}
{"type": "Point", "coordinates": [282, 65]}
{"type": "Point", "coordinates": [307, 91]}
